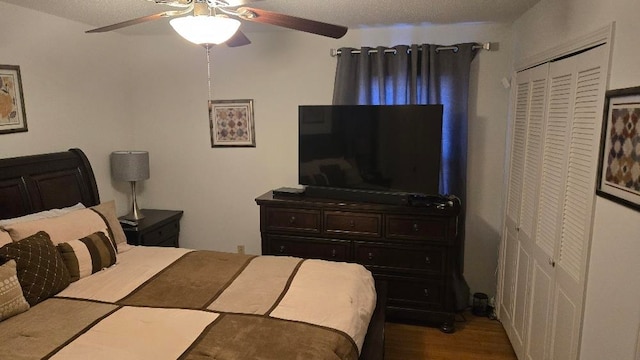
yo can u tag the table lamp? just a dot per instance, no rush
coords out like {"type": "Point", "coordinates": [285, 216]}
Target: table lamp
{"type": "Point", "coordinates": [131, 166]}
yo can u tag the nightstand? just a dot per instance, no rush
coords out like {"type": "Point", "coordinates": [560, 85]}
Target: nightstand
{"type": "Point", "coordinates": [158, 228]}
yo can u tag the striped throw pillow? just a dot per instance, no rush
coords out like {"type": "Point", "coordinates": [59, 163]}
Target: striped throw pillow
{"type": "Point", "coordinates": [88, 255]}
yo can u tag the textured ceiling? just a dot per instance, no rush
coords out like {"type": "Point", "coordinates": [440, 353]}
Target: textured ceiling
{"type": "Point", "coordinates": [351, 13]}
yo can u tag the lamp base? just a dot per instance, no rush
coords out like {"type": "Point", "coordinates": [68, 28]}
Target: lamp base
{"type": "Point", "coordinates": [135, 214]}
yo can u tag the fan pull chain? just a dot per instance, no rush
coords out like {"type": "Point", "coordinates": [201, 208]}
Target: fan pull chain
{"type": "Point", "coordinates": [207, 46]}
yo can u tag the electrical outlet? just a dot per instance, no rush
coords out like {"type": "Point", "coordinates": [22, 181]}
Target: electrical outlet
{"type": "Point", "coordinates": [240, 249]}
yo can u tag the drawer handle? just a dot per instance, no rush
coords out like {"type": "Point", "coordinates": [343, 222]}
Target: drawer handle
{"type": "Point", "coordinates": [352, 223]}
{"type": "Point", "coordinates": [416, 228]}
{"type": "Point", "coordinates": [427, 260]}
{"type": "Point", "coordinates": [292, 220]}
{"type": "Point", "coordinates": [333, 252]}
{"type": "Point", "coordinates": [426, 292]}
{"type": "Point", "coordinates": [370, 256]}
{"type": "Point", "coordinates": [282, 249]}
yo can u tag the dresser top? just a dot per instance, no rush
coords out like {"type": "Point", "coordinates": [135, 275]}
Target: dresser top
{"type": "Point", "coordinates": [301, 200]}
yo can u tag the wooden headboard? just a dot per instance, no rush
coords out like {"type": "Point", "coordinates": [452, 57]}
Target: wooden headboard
{"type": "Point", "coordinates": [29, 184]}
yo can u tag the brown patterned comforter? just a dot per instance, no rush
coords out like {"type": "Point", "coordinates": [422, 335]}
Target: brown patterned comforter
{"type": "Point", "coordinates": [203, 305]}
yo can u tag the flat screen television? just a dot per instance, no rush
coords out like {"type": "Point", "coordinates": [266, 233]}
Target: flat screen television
{"type": "Point", "coordinates": [376, 148]}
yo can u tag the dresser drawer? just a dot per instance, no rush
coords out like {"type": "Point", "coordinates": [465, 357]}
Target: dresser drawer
{"type": "Point", "coordinates": [310, 248]}
{"type": "Point", "coordinates": [429, 260]}
{"type": "Point", "coordinates": [161, 235]}
{"type": "Point", "coordinates": [416, 292]}
{"type": "Point", "coordinates": [297, 220]}
{"type": "Point", "coordinates": [353, 223]}
{"type": "Point", "coordinates": [415, 228]}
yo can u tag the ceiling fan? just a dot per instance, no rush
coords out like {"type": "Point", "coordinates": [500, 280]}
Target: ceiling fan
{"type": "Point", "coordinates": [214, 21]}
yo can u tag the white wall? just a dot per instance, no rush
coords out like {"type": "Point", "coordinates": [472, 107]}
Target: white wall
{"type": "Point", "coordinates": [612, 308]}
{"type": "Point", "coordinates": [281, 70]}
{"type": "Point", "coordinates": [75, 89]}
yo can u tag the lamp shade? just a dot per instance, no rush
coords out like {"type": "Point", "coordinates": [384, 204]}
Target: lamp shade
{"type": "Point", "coordinates": [204, 29]}
{"type": "Point", "coordinates": [130, 165]}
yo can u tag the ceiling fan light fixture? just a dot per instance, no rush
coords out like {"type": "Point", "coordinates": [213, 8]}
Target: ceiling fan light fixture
{"type": "Point", "coordinates": [205, 29]}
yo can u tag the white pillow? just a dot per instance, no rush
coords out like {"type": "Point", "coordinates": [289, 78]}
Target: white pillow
{"type": "Point", "coordinates": [42, 215]}
{"type": "Point", "coordinates": [124, 247]}
{"type": "Point", "coordinates": [64, 228]}
{"type": "Point", "coordinates": [5, 238]}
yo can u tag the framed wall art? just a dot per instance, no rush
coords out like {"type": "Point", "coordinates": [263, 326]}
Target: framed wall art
{"type": "Point", "coordinates": [619, 167]}
{"type": "Point", "coordinates": [12, 115]}
{"type": "Point", "coordinates": [231, 123]}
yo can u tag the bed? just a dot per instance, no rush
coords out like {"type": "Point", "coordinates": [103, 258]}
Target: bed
{"type": "Point", "coordinates": [111, 300]}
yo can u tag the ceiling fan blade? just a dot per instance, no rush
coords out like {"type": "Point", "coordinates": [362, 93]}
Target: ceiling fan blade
{"type": "Point", "coordinates": [239, 2]}
{"type": "Point", "coordinates": [292, 22]}
{"type": "Point", "coordinates": [238, 39]}
{"type": "Point", "coordinates": [175, 3]}
{"type": "Point", "coordinates": [131, 22]}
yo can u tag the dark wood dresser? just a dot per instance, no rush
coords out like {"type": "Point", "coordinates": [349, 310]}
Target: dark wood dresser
{"type": "Point", "coordinates": [415, 249]}
{"type": "Point", "coordinates": [157, 228]}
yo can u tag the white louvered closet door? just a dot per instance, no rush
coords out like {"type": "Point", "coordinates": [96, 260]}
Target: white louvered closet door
{"type": "Point", "coordinates": [576, 196]}
{"type": "Point", "coordinates": [551, 192]}
{"type": "Point", "coordinates": [529, 108]}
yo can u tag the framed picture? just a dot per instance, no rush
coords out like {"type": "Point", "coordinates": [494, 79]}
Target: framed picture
{"type": "Point", "coordinates": [12, 115]}
{"type": "Point", "coordinates": [231, 123]}
{"type": "Point", "coordinates": [619, 166]}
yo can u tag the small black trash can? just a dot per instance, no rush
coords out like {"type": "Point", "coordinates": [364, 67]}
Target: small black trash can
{"type": "Point", "coordinates": [480, 304]}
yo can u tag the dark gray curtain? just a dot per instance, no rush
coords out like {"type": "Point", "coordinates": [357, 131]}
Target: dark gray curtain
{"type": "Point", "coordinates": [416, 74]}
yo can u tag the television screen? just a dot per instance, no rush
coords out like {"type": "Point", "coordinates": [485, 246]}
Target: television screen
{"type": "Point", "coordinates": [394, 148]}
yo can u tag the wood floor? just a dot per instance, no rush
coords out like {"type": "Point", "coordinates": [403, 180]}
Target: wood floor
{"type": "Point", "coordinates": [477, 338]}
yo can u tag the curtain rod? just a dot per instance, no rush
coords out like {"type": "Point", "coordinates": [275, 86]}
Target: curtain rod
{"type": "Point", "coordinates": [486, 46]}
